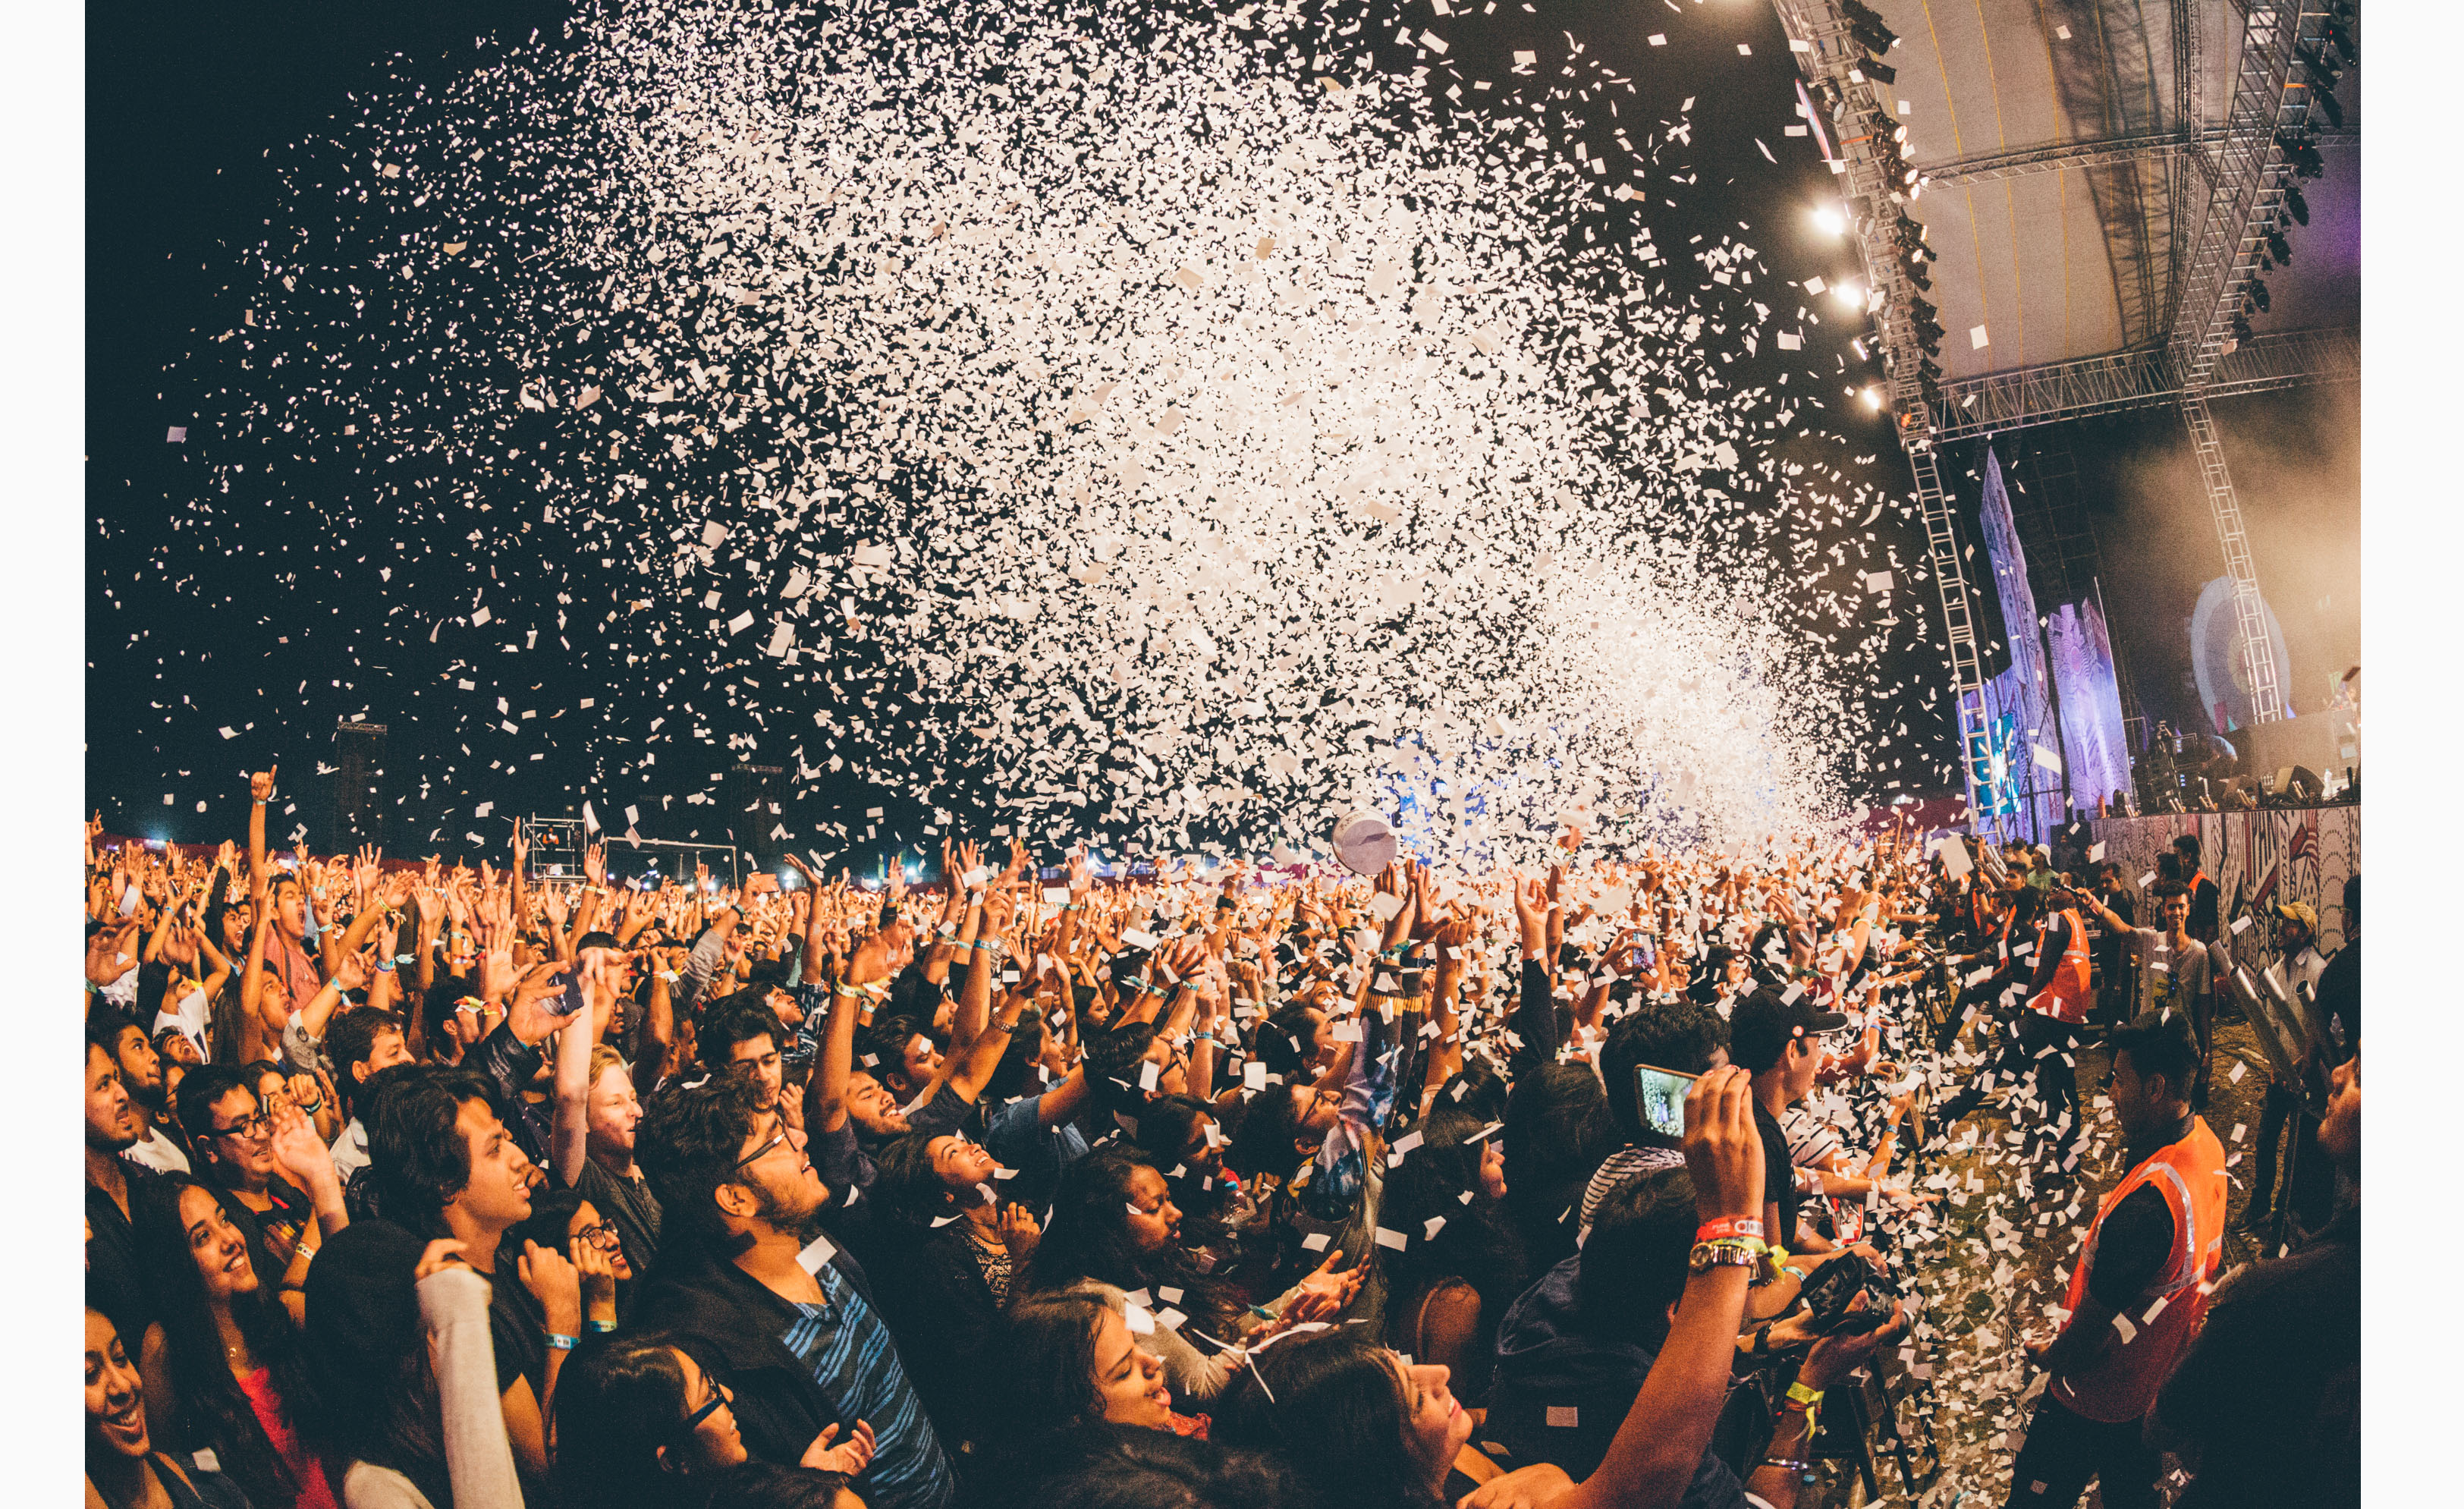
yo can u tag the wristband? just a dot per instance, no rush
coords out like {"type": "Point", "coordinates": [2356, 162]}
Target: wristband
{"type": "Point", "coordinates": [1800, 1396]}
{"type": "Point", "coordinates": [602, 1328]}
{"type": "Point", "coordinates": [385, 967]}
{"type": "Point", "coordinates": [1730, 1226]}
{"type": "Point", "coordinates": [562, 1343]}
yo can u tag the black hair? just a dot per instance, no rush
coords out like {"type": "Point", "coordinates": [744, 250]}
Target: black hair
{"type": "Point", "coordinates": [1009, 1077]}
{"type": "Point", "coordinates": [2186, 845]}
{"type": "Point", "coordinates": [1633, 1265]}
{"type": "Point", "coordinates": [418, 1159]}
{"type": "Point", "coordinates": [616, 1404]}
{"type": "Point", "coordinates": [349, 1039]}
{"type": "Point", "coordinates": [212, 1411]}
{"type": "Point", "coordinates": [1089, 1237]}
{"type": "Point", "coordinates": [1680, 1034]}
{"type": "Point", "coordinates": [885, 1040]}
{"type": "Point", "coordinates": [1107, 1466]}
{"type": "Point", "coordinates": [736, 1018]}
{"type": "Point", "coordinates": [1474, 1243]}
{"type": "Point", "coordinates": [199, 1089]}
{"type": "Point", "coordinates": [1557, 1129]}
{"type": "Point", "coordinates": [914, 994]}
{"type": "Point", "coordinates": [1267, 1139]}
{"type": "Point", "coordinates": [906, 1187]}
{"type": "Point", "coordinates": [1044, 1352]}
{"type": "Point", "coordinates": [1111, 1067]}
{"type": "Point", "coordinates": [550, 1223]}
{"type": "Point", "coordinates": [690, 1142]}
{"type": "Point", "coordinates": [1169, 1123]}
{"type": "Point", "coordinates": [755, 1484]}
{"type": "Point", "coordinates": [2160, 1043]}
{"type": "Point", "coordinates": [2025, 906]}
{"type": "Point", "coordinates": [1287, 1041]}
{"type": "Point", "coordinates": [1332, 1404]}
{"type": "Point", "coordinates": [2166, 889]}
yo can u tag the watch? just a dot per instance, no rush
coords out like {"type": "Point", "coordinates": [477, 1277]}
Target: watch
{"type": "Point", "coordinates": [1707, 1255]}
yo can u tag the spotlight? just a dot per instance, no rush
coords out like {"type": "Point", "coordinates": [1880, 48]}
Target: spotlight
{"type": "Point", "coordinates": [1873, 397]}
{"type": "Point", "coordinates": [1830, 221]}
{"type": "Point", "coordinates": [1850, 295]}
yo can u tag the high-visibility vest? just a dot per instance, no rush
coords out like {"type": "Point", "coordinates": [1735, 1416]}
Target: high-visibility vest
{"type": "Point", "coordinates": [2065, 996]}
{"type": "Point", "coordinates": [2155, 1325]}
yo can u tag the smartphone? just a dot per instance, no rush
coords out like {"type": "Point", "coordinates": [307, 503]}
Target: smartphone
{"type": "Point", "coordinates": [1660, 1096]}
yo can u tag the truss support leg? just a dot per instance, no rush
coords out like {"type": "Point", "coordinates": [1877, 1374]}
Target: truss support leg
{"type": "Point", "coordinates": [2250, 620]}
{"type": "Point", "coordinates": [1958, 618]}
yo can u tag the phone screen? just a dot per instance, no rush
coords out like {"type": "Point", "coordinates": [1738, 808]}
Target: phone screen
{"type": "Point", "coordinates": [1660, 1096]}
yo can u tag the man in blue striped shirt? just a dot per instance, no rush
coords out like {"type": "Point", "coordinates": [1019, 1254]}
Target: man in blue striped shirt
{"type": "Point", "coordinates": [785, 1323]}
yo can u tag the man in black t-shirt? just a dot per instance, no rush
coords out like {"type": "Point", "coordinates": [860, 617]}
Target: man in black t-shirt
{"type": "Point", "coordinates": [1778, 1042]}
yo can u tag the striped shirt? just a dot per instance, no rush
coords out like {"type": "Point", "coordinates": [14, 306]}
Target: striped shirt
{"type": "Point", "coordinates": [855, 1365]}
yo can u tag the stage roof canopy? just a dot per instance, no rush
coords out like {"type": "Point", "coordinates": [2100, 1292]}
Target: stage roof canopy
{"type": "Point", "coordinates": [2065, 199]}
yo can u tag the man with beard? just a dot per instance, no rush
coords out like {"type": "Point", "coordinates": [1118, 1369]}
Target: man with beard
{"type": "Point", "coordinates": [775, 1319]}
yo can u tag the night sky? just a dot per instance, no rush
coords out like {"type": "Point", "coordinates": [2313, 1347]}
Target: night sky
{"type": "Point", "coordinates": [255, 624]}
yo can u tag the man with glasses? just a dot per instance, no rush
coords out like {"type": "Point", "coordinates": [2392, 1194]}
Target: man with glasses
{"type": "Point", "coordinates": [784, 1322]}
{"type": "Point", "coordinates": [242, 1157]}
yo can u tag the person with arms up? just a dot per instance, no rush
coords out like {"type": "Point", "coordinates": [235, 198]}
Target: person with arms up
{"type": "Point", "coordinates": [2138, 1290]}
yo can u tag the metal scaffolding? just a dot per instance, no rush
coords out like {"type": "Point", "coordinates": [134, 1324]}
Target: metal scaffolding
{"type": "Point", "coordinates": [1877, 174]}
{"type": "Point", "coordinates": [2244, 198]}
{"type": "Point", "coordinates": [2119, 380]}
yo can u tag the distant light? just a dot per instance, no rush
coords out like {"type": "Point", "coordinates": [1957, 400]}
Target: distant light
{"type": "Point", "coordinates": [1830, 221]}
{"type": "Point", "coordinates": [1873, 397]}
{"type": "Point", "coordinates": [1850, 295]}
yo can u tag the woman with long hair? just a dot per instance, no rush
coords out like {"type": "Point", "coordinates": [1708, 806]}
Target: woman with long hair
{"type": "Point", "coordinates": [222, 1366]}
{"type": "Point", "coordinates": [1366, 1427]}
{"type": "Point", "coordinates": [1462, 1262]}
{"type": "Point", "coordinates": [1069, 1365]}
{"type": "Point", "coordinates": [1558, 1132]}
{"type": "Point", "coordinates": [244, 1147]}
{"type": "Point", "coordinates": [1115, 1234]}
{"type": "Point", "coordinates": [122, 1469]}
{"type": "Point", "coordinates": [640, 1425]}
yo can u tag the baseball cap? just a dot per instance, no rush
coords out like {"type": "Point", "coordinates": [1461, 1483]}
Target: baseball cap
{"type": "Point", "coordinates": [2299, 912]}
{"type": "Point", "coordinates": [1761, 1026]}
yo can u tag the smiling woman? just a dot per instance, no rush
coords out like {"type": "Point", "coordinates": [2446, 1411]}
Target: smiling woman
{"type": "Point", "coordinates": [222, 1364]}
{"type": "Point", "coordinates": [122, 1469]}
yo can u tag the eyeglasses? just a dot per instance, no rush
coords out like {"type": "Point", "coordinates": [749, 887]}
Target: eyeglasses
{"type": "Point", "coordinates": [720, 1394]}
{"type": "Point", "coordinates": [755, 1156]}
{"type": "Point", "coordinates": [250, 1129]}
{"type": "Point", "coordinates": [605, 1236]}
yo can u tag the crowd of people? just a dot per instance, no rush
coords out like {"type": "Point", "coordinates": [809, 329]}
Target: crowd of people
{"type": "Point", "coordinates": [429, 1185]}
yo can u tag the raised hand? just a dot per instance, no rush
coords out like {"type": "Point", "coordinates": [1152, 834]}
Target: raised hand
{"type": "Point", "coordinates": [554, 1284]}
{"type": "Point", "coordinates": [260, 786]}
{"type": "Point", "coordinates": [851, 1457]}
{"type": "Point", "coordinates": [297, 1148]}
{"type": "Point", "coordinates": [594, 864]}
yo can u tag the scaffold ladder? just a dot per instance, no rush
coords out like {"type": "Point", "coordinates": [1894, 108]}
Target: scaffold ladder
{"type": "Point", "coordinates": [2250, 616]}
{"type": "Point", "coordinates": [1876, 174]}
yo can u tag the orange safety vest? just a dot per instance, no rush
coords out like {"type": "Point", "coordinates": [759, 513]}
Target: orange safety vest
{"type": "Point", "coordinates": [2065, 996]}
{"type": "Point", "coordinates": [2153, 1329]}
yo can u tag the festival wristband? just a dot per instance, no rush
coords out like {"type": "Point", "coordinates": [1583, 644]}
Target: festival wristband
{"type": "Point", "coordinates": [1730, 1226]}
{"type": "Point", "coordinates": [602, 1328]}
{"type": "Point", "coordinates": [1802, 1397]}
{"type": "Point", "coordinates": [562, 1343]}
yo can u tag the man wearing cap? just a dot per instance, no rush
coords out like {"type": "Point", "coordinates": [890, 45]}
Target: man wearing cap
{"type": "Point", "coordinates": [1777, 1038]}
{"type": "Point", "coordinates": [2296, 927]}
